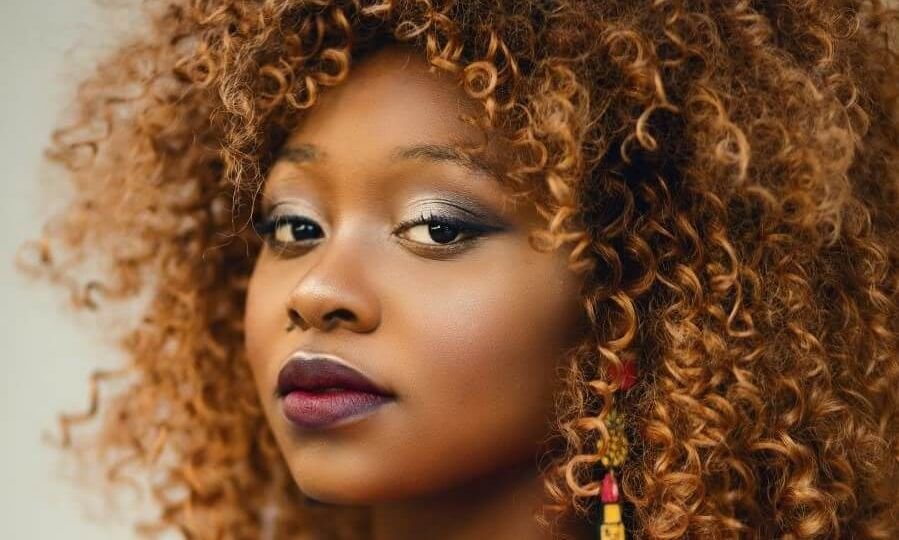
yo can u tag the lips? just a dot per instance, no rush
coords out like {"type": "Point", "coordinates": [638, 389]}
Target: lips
{"type": "Point", "coordinates": [319, 373]}
{"type": "Point", "coordinates": [318, 392]}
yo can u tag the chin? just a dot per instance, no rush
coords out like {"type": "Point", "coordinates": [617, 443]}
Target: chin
{"type": "Point", "coordinates": [339, 488]}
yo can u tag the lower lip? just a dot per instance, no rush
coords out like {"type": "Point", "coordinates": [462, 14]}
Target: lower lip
{"type": "Point", "coordinates": [321, 409]}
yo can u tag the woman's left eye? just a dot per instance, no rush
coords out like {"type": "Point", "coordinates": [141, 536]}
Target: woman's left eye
{"type": "Point", "coordinates": [437, 231]}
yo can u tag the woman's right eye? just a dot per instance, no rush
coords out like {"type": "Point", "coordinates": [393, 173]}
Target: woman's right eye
{"type": "Point", "coordinates": [285, 230]}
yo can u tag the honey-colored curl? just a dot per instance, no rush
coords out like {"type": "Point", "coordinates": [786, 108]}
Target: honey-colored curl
{"type": "Point", "coordinates": [726, 173]}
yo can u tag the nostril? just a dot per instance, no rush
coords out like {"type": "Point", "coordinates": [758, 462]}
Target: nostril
{"type": "Point", "coordinates": [341, 313]}
{"type": "Point", "coordinates": [296, 319]}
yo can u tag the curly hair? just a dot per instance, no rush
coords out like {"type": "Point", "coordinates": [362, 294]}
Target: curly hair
{"type": "Point", "coordinates": [725, 173]}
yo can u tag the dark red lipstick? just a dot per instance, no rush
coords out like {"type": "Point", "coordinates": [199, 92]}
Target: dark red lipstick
{"type": "Point", "coordinates": [318, 391]}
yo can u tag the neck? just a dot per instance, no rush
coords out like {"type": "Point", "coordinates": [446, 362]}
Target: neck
{"type": "Point", "coordinates": [499, 506]}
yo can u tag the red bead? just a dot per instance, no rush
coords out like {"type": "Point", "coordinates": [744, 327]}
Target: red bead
{"type": "Point", "coordinates": [627, 376]}
{"type": "Point", "coordinates": [609, 490]}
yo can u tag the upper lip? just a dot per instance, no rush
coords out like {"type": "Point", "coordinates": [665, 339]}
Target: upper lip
{"type": "Point", "coordinates": [319, 371]}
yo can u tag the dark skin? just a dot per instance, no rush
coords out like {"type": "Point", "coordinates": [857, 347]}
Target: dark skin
{"type": "Point", "coordinates": [466, 329]}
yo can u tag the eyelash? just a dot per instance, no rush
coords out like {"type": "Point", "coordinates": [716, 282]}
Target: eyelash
{"type": "Point", "coordinates": [470, 232]}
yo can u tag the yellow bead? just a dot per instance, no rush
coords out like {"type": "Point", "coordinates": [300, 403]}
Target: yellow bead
{"type": "Point", "coordinates": [614, 531]}
{"type": "Point", "coordinates": [611, 528]}
{"type": "Point", "coordinates": [611, 513]}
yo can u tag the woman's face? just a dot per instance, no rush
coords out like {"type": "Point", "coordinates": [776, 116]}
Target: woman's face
{"type": "Point", "coordinates": [464, 325]}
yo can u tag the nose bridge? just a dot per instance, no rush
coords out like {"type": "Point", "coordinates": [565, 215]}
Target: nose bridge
{"type": "Point", "coordinates": [334, 290]}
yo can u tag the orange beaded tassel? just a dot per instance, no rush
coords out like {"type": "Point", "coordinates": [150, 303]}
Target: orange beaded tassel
{"type": "Point", "coordinates": [612, 528]}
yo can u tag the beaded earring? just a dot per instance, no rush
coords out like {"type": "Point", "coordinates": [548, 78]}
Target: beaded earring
{"type": "Point", "coordinates": [611, 527]}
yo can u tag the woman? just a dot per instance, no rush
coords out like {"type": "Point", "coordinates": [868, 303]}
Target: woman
{"type": "Point", "coordinates": [482, 270]}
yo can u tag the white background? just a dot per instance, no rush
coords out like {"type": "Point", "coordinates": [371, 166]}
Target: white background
{"type": "Point", "coordinates": [47, 351]}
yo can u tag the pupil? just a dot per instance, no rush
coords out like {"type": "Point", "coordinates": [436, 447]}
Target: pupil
{"type": "Point", "coordinates": [303, 227]}
{"type": "Point", "coordinates": [442, 233]}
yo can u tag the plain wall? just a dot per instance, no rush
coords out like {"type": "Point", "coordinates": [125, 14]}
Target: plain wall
{"type": "Point", "coordinates": [48, 353]}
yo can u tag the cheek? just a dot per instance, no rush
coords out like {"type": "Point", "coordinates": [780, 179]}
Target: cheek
{"type": "Point", "coordinates": [262, 324]}
{"type": "Point", "coordinates": [472, 349]}
{"type": "Point", "coordinates": [480, 362]}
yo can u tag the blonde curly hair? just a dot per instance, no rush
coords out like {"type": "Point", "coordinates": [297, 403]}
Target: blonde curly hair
{"type": "Point", "coordinates": [725, 172]}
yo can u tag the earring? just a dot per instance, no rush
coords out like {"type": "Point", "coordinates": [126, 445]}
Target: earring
{"type": "Point", "coordinates": [611, 526]}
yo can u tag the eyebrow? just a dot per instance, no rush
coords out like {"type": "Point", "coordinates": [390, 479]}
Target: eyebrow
{"type": "Point", "coordinates": [305, 152]}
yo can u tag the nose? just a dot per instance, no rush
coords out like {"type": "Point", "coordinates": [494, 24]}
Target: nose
{"type": "Point", "coordinates": [334, 292]}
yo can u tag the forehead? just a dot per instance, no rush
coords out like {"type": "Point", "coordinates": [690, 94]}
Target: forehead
{"type": "Point", "coordinates": [389, 99]}
{"type": "Point", "coordinates": [392, 111]}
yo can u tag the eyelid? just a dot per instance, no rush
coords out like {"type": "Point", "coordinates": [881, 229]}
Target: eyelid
{"type": "Point", "coordinates": [295, 207]}
{"type": "Point", "coordinates": [426, 216]}
{"type": "Point", "coordinates": [469, 205]}
{"type": "Point", "coordinates": [294, 197]}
